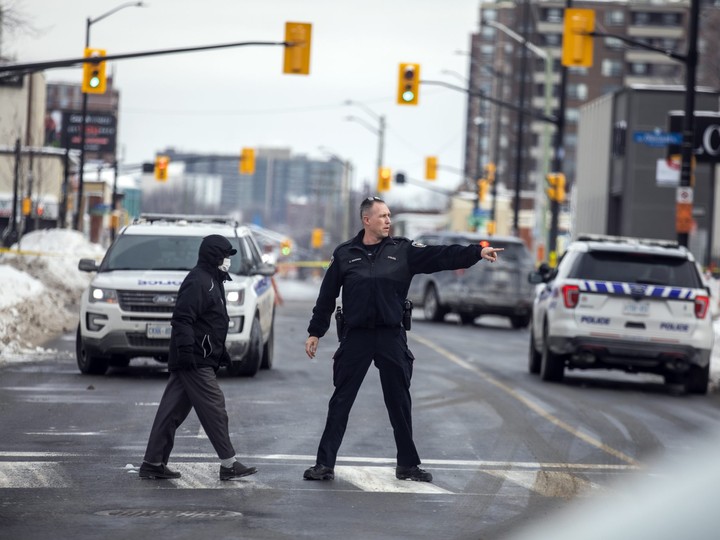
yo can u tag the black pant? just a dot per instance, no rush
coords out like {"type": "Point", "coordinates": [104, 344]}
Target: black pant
{"type": "Point", "coordinates": [388, 347]}
{"type": "Point", "coordinates": [186, 389]}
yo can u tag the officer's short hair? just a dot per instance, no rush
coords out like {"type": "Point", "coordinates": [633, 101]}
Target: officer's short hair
{"type": "Point", "coordinates": [367, 205]}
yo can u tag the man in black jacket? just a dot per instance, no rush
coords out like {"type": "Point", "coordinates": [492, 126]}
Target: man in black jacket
{"type": "Point", "coordinates": [197, 349]}
{"type": "Point", "coordinates": [374, 272]}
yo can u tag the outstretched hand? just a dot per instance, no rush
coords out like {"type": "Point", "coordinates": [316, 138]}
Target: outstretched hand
{"type": "Point", "coordinates": [490, 253]}
{"type": "Point", "coordinates": [311, 346]}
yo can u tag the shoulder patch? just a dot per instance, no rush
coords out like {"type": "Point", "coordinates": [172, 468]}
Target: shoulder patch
{"type": "Point", "coordinates": [418, 244]}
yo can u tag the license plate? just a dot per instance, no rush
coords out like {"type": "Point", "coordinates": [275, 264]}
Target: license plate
{"type": "Point", "coordinates": [636, 308]}
{"type": "Point", "coordinates": [158, 330]}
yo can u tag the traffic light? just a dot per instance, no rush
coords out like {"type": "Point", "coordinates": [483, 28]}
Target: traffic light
{"type": "Point", "coordinates": [26, 206]}
{"type": "Point", "coordinates": [482, 189]}
{"type": "Point", "coordinates": [316, 240]}
{"type": "Point", "coordinates": [296, 60]}
{"type": "Point", "coordinates": [556, 191]}
{"type": "Point", "coordinates": [399, 178]}
{"type": "Point", "coordinates": [94, 80]}
{"type": "Point", "coordinates": [408, 84]}
{"type": "Point", "coordinates": [285, 247]}
{"type": "Point", "coordinates": [577, 45]}
{"type": "Point", "coordinates": [431, 168]}
{"type": "Point", "coordinates": [490, 169]}
{"type": "Point", "coordinates": [161, 168]}
{"type": "Point", "coordinates": [383, 181]}
{"type": "Point", "coordinates": [247, 161]}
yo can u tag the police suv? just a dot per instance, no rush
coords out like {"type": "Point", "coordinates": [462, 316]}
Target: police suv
{"type": "Point", "coordinates": [623, 303]}
{"type": "Point", "coordinates": [126, 310]}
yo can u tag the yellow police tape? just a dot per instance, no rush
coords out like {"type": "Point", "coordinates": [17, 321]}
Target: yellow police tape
{"type": "Point", "coordinates": [303, 264]}
{"type": "Point", "coordinates": [33, 253]}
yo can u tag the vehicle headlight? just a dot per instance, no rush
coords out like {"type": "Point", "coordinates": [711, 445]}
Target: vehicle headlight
{"type": "Point", "coordinates": [107, 296]}
{"type": "Point", "coordinates": [236, 298]}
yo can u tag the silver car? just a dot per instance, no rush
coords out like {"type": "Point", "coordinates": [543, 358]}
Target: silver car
{"type": "Point", "coordinates": [483, 289]}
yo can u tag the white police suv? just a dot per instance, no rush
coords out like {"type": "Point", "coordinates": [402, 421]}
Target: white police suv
{"type": "Point", "coordinates": [623, 303]}
{"type": "Point", "coordinates": [126, 310]}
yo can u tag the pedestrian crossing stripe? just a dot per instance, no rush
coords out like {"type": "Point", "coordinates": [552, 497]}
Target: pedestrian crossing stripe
{"type": "Point", "coordinates": [372, 479]}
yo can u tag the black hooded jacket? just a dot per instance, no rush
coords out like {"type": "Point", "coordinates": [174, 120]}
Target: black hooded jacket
{"type": "Point", "coordinates": [200, 320]}
{"type": "Point", "coordinates": [374, 289]}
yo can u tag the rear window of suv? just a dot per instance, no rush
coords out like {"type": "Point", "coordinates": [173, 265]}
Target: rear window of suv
{"type": "Point", "coordinates": [626, 267]}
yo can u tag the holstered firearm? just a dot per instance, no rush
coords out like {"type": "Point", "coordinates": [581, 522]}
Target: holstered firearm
{"type": "Point", "coordinates": [339, 322]}
{"type": "Point", "coordinates": [407, 314]}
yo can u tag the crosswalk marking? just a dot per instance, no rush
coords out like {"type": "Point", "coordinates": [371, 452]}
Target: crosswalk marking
{"type": "Point", "coordinates": [206, 476]}
{"type": "Point", "coordinates": [382, 480]}
{"type": "Point", "coordinates": [547, 483]}
{"type": "Point", "coordinates": [32, 474]}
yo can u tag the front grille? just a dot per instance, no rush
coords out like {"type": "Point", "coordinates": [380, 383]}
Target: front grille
{"type": "Point", "coordinates": [147, 301]}
{"type": "Point", "coordinates": [142, 341]}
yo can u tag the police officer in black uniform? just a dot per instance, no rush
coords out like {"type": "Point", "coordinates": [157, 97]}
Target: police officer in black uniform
{"type": "Point", "coordinates": [374, 272]}
{"type": "Point", "coordinates": [197, 349]}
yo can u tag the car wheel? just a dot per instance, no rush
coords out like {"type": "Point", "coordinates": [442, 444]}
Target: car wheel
{"type": "Point", "coordinates": [432, 309]}
{"type": "Point", "coordinates": [552, 366]}
{"type": "Point", "coordinates": [269, 349]}
{"type": "Point", "coordinates": [119, 361]}
{"type": "Point", "coordinates": [697, 380]}
{"type": "Point", "coordinates": [520, 321]}
{"type": "Point", "coordinates": [88, 364]}
{"type": "Point", "coordinates": [250, 364]}
{"type": "Point", "coordinates": [467, 318]}
{"type": "Point", "coordinates": [534, 357]}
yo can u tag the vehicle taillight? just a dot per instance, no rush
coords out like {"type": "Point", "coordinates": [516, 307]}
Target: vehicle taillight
{"type": "Point", "coordinates": [571, 295]}
{"type": "Point", "coordinates": [701, 306]}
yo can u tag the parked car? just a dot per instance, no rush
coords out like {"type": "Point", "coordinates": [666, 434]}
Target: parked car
{"type": "Point", "coordinates": [126, 310]}
{"type": "Point", "coordinates": [623, 303]}
{"type": "Point", "coordinates": [500, 288]}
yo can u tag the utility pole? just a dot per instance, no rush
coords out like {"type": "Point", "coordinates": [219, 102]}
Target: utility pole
{"type": "Point", "coordinates": [520, 121]}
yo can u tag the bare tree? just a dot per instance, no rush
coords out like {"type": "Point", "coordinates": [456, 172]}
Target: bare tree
{"type": "Point", "coordinates": [12, 21]}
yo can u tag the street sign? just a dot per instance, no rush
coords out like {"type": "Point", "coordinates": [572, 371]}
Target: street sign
{"type": "Point", "coordinates": [706, 138]}
{"type": "Point", "coordinates": [657, 138]}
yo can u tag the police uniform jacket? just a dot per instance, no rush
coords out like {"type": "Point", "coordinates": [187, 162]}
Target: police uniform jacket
{"type": "Point", "coordinates": [200, 320]}
{"type": "Point", "coordinates": [374, 288]}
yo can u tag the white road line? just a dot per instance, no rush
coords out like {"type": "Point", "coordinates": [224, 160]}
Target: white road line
{"type": "Point", "coordinates": [382, 480]}
{"type": "Point", "coordinates": [206, 476]}
{"type": "Point", "coordinates": [32, 474]}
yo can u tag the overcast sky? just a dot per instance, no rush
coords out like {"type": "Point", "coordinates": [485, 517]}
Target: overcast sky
{"type": "Point", "coordinates": [220, 101]}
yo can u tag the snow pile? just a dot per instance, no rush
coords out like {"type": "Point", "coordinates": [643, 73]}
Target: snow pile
{"type": "Point", "coordinates": [41, 288]}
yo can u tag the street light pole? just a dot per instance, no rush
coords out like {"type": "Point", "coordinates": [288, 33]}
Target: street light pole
{"type": "Point", "coordinates": [79, 211]}
{"type": "Point", "coordinates": [380, 131]}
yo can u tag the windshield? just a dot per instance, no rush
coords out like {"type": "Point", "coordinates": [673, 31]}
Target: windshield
{"type": "Point", "coordinates": [636, 268]}
{"type": "Point", "coordinates": [136, 252]}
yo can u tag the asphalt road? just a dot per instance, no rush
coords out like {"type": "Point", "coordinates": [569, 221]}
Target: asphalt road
{"type": "Point", "coordinates": [506, 450]}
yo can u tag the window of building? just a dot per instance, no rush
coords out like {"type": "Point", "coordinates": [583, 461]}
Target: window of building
{"type": "Point", "coordinates": [671, 19]}
{"type": "Point", "coordinates": [577, 91]}
{"type": "Point", "coordinates": [666, 70]}
{"type": "Point", "coordinates": [611, 68]}
{"type": "Point", "coordinates": [552, 39]}
{"type": "Point", "coordinates": [487, 49]}
{"type": "Point", "coordinates": [577, 70]}
{"type": "Point", "coordinates": [489, 14]}
{"type": "Point", "coordinates": [488, 32]}
{"type": "Point", "coordinates": [572, 115]}
{"type": "Point", "coordinates": [639, 68]}
{"type": "Point", "coordinates": [615, 17]}
{"type": "Point", "coordinates": [641, 18]}
{"type": "Point", "coordinates": [613, 43]}
{"type": "Point", "coordinates": [553, 15]}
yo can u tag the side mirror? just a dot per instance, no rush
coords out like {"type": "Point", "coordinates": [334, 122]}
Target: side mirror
{"type": "Point", "coordinates": [88, 265]}
{"type": "Point", "coordinates": [536, 277]}
{"type": "Point", "coordinates": [265, 269]}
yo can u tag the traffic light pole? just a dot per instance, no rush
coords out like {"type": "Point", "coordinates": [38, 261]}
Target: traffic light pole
{"type": "Point", "coordinates": [83, 125]}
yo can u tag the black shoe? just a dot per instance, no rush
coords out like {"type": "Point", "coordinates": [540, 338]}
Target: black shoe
{"type": "Point", "coordinates": [319, 472]}
{"type": "Point", "coordinates": [238, 470]}
{"type": "Point", "coordinates": [413, 473]}
{"type": "Point", "coordinates": [157, 472]}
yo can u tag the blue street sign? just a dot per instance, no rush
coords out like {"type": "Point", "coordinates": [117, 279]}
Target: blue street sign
{"type": "Point", "coordinates": [657, 138]}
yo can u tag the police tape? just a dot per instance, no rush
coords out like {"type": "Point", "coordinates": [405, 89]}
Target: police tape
{"type": "Point", "coordinates": [32, 253]}
{"type": "Point", "coordinates": [302, 264]}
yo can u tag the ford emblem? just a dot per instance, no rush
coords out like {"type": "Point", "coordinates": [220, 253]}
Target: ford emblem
{"type": "Point", "coordinates": [164, 299]}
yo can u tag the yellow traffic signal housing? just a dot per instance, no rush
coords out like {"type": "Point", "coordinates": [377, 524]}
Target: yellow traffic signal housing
{"type": "Point", "coordinates": [383, 180]}
{"type": "Point", "coordinates": [577, 45]}
{"type": "Point", "coordinates": [285, 247]}
{"type": "Point", "coordinates": [483, 185]}
{"type": "Point", "coordinates": [161, 168]}
{"type": "Point", "coordinates": [408, 89]}
{"type": "Point", "coordinates": [94, 80]}
{"type": "Point", "coordinates": [26, 206]}
{"type": "Point", "coordinates": [556, 191]}
{"type": "Point", "coordinates": [247, 161]}
{"type": "Point", "coordinates": [296, 60]}
{"type": "Point", "coordinates": [316, 240]}
{"type": "Point", "coordinates": [490, 169]}
{"type": "Point", "coordinates": [431, 168]}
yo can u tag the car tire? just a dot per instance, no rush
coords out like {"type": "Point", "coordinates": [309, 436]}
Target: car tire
{"type": "Point", "coordinates": [89, 364]}
{"type": "Point", "coordinates": [534, 357]}
{"type": "Point", "coordinates": [552, 366]}
{"type": "Point", "coordinates": [432, 309]}
{"type": "Point", "coordinates": [519, 321]}
{"type": "Point", "coordinates": [250, 364]}
{"type": "Point", "coordinates": [697, 380]}
{"type": "Point", "coordinates": [269, 349]}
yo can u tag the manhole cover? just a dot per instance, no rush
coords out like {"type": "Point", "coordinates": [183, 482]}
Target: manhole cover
{"type": "Point", "coordinates": [174, 514]}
